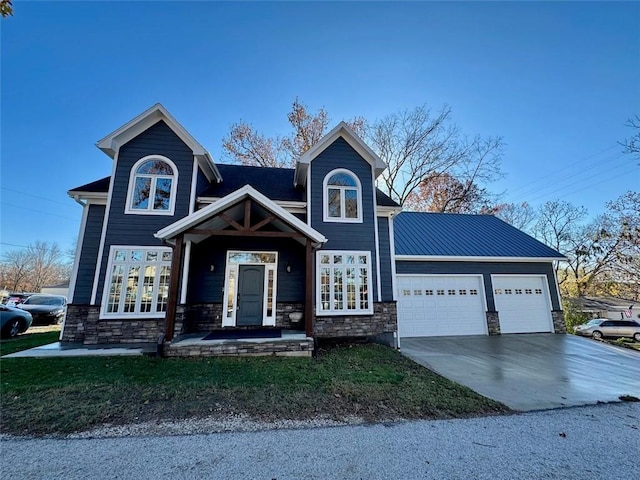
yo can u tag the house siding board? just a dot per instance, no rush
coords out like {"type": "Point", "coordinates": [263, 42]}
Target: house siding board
{"type": "Point", "coordinates": [128, 229]}
{"type": "Point", "coordinates": [448, 234]}
{"type": "Point", "coordinates": [385, 259]}
{"type": "Point", "coordinates": [486, 269]}
{"type": "Point", "coordinates": [89, 254]}
{"type": "Point", "coordinates": [201, 183]}
{"type": "Point", "coordinates": [344, 236]}
{"type": "Point", "coordinates": [206, 286]}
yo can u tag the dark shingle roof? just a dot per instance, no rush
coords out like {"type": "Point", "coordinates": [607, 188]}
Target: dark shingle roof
{"type": "Point", "coordinates": [101, 185]}
{"type": "Point", "coordinates": [458, 235]}
{"type": "Point", "coordinates": [274, 183]}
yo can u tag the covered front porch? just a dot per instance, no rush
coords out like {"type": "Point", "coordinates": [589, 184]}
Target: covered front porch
{"type": "Point", "coordinates": [241, 280]}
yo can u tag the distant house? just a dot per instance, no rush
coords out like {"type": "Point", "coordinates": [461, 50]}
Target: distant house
{"type": "Point", "coordinates": [57, 289]}
{"type": "Point", "coordinates": [607, 307]}
{"type": "Point", "coordinates": [176, 249]}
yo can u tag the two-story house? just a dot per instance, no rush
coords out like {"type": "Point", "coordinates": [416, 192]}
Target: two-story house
{"type": "Point", "coordinates": [226, 259]}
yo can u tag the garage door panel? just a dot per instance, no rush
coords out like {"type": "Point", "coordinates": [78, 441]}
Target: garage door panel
{"type": "Point", "coordinates": [440, 305]}
{"type": "Point", "coordinates": [522, 303]}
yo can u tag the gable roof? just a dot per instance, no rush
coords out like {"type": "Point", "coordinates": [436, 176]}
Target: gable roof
{"type": "Point", "coordinates": [112, 142]}
{"type": "Point", "coordinates": [450, 236]}
{"type": "Point", "coordinates": [344, 131]}
{"type": "Point", "coordinates": [285, 220]}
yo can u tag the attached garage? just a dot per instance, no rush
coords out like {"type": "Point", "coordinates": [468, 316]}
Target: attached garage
{"type": "Point", "coordinates": [461, 274]}
{"type": "Point", "coordinates": [440, 305]}
{"type": "Point", "coordinates": [522, 303]}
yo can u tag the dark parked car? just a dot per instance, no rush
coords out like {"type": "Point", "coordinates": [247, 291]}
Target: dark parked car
{"type": "Point", "coordinates": [45, 309]}
{"type": "Point", "coordinates": [13, 321]}
{"type": "Point", "coordinates": [602, 327]}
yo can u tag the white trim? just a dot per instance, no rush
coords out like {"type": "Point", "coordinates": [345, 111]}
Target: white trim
{"type": "Point", "coordinates": [267, 321]}
{"type": "Point", "coordinates": [76, 258]}
{"type": "Point", "coordinates": [99, 198]}
{"type": "Point", "coordinates": [385, 211]}
{"type": "Point", "coordinates": [345, 311]}
{"type": "Point", "coordinates": [107, 282]}
{"type": "Point", "coordinates": [325, 198]}
{"type": "Point", "coordinates": [392, 248]}
{"type": "Point", "coordinates": [445, 258]}
{"type": "Point", "coordinates": [344, 131]}
{"type": "Point", "coordinates": [555, 281]}
{"type": "Point", "coordinates": [376, 236]}
{"type": "Point", "coordinates": [103, 235]}
{"type": "Point", "coordinates": [112, 142]}
{"type": "Point", "coordinates": [185, 272]}
{"type": "Point", "coordinates": [194, 183]}
{"type": "Point", "coordinates": [308, 183]}
{"type": "Point", "coordinates": [129, 210]}
{"type": "Point", "coordinates": [289, 205]}
{"type": "Point", "coordinates": [170, 231]}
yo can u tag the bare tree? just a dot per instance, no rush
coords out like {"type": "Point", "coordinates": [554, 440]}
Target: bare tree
{"type": "Point", "coordinates": [40, 264]}
{"type": "Point", "coordinates": [520, 215]}
{"type": "Point", "coordinates": [245, 145]}
{"type": "Point", "coordinates": [632, 144]}
{"type": "Point", "coordinates": [444, 193]}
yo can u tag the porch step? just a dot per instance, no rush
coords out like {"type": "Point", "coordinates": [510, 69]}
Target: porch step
{"type": "Point", "coordinates": [285, 347]}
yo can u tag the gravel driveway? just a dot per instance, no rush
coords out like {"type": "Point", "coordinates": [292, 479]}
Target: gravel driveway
{"type": "Point", "coordinates": [540, 445]}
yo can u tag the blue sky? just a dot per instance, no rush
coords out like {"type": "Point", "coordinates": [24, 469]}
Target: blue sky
{"type": "Point", "coordinates": [557, 80]}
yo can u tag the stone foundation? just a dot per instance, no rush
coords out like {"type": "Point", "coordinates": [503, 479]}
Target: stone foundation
{"type": "Point", "coordinates": [559, 326]}
{"type": "Point", "coordinates": [83, 325]}
{"type": "Point", "coordinates": [383, 320]}
{"type": "Point", "coordinates": [285, 348]}
{"type": "Point", "coordinates": [493, 323]}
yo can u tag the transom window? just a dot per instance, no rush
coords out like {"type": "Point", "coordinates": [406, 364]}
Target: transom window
{"type": "Point", "coordinates": [342, 197]}
{"type": "Point", "coordinates": [137, 282]}
{"type": "Point", "coordinates": [344, 279]}
{"type": "Point", "coordinates": [152, 186]}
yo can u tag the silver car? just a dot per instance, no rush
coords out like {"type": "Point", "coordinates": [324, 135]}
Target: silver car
{"type": "Point", "coordinates": [603, 327]}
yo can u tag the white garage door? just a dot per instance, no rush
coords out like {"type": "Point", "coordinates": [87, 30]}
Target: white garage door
{"type": "Point", "coordinates": [438, 305]}
{"type": "Point", "coordinates": [522, 303]}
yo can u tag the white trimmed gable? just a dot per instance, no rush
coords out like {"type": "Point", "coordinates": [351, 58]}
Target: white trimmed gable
{"type": "Point", "coordinates": [340, 130]}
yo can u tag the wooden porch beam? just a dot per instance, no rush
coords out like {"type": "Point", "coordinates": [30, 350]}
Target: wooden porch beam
{"type": "Point", "coordinates": [249, 233]}
{"type": "Point", "coordinates": [262, 223]}
{"type": "Point", "coordinates": [247, 214]}
{"type": "Point", "coordinates": [308, 291]}
{"type": "Point", "coordinates": [174, 283]}
{"type": "Point", "coordinates": [231, 221]}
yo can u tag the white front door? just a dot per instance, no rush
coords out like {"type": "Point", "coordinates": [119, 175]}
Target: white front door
{"type": "Point", "coordinates": [523, 303]}
{"type": "Point", "coordinates": [439, 305]}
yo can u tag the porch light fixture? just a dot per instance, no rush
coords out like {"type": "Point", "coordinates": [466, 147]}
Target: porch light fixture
{"type": "Point", "coordinates": [288, 267]}
{"type": "Point", "coordinates": [212, 267]}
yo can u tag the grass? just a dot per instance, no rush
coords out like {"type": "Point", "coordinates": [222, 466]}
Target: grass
{"type": "Point", "coordinates": [28, 340]}
{"type": "Point", "coordinates": [62, 395]}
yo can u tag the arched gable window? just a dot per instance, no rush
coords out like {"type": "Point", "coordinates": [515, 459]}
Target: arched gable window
{"type": "Point", "coordinates": [342, 197]}
{"type": "Point", "coordinates": [152, 186]}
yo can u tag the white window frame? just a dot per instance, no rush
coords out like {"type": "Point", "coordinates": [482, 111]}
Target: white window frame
{"type": "Point", "coordinates": [132, 186]}
{"type": "Point", "coordinates": [267, 320]}
{"type": "Point", "coordinates": [332, 311]}
{"type": "Point", "coordinates": [104, 313]}
{"type": "Point", "coordinates": [325, 201]}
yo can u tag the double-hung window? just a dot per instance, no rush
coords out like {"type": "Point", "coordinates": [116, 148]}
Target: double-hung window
{"type": "Point", "coordinates": [152, 186]}
{"type": "Point", "coordinates": [137, 282]}
{"type": "Point", "coordinates": [342, 197]}
{"type": "Point", "coordinates": [344, 280]}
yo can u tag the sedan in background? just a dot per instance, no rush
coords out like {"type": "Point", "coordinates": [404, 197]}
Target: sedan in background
{"type": "Point", "coordinates": [603, 327]}
{"type": "Point", "coordinates": [13, 321]}
{"type": "Point", "coordinates": [45, 309]}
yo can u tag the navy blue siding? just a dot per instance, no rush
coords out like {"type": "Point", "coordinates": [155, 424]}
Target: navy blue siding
{"type": "Point", "coordinates": [125, 229]}
{"type": "Point", "coordinates": [345, 236]}
{"type": "Point", "coordinates": [88, 254]}
{"type": "Point", "coordinates": [201, 183]}
{"type": "Point", "coordinates": [385, 259]}
{"type": "Point", "coordinates": [486, 269]}
{"type": "Point", "coordinates": [206, 286]}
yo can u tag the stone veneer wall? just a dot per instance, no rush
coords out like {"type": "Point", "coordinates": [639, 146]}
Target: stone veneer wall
{"type": "Point", "coordinates": [280, 347]}
{"type": "Point", "coordinates": [559, 326]}
{"type": "Point", "coordinates": [493, 323]}
{"type": "Point", "coordinates": [204, 317]}
{"type": "Point", "coordinates": [383, 320]}
{"type": "Point", "coordinates": [83, 325]}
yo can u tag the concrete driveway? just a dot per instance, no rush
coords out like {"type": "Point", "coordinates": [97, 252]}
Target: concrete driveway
{"type": "Point", "coordinates": [532, 371]}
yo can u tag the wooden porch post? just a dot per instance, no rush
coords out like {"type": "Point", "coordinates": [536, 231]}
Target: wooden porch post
{"type": "Point", "coordinates": [308, 300]}
{"type": "Point", "coordinates": [174, 283]}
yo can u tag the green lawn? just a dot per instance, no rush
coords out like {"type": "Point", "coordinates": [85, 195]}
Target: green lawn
{"type": "Point", "coordinates": [59, 395]}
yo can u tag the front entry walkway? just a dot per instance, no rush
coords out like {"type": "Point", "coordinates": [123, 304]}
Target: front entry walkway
{"type": "Point", "coordinates": [532, 371]}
